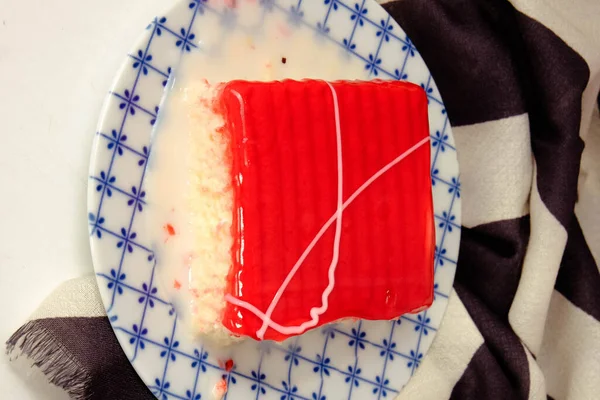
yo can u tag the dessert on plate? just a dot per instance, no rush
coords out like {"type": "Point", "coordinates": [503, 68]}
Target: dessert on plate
{"type": "Point", "coordinates": [309, 202]}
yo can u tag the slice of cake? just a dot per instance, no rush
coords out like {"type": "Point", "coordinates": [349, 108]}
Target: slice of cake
{"type": "Point", "coordinates": [311, 203]}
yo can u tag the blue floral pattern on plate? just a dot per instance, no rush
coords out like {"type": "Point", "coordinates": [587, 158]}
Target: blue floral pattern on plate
{"type": "Point", "coordinates": [360, 360]}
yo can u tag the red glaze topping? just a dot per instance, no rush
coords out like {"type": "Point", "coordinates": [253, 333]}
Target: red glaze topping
{"type": "Point", "coordinates": [285, 166]}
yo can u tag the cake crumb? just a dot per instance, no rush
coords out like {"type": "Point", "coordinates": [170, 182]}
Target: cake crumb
{"type": "Point", "coordinates": [170, 230]}
{"type": "Point", "coordinates": [220, 389]}
{"type": "Point", "coordinates": [228, 365]}
{"type": "Point", "coordinates": [177, 284]}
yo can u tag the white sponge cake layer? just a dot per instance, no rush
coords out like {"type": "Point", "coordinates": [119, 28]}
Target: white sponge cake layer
{"type": "Point", "coordinates": [194, 252]}
{"type": "Point", "coordinates": [210, 199]}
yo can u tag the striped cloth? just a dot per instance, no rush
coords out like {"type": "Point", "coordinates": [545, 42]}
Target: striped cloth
{"type": "Point", "coordinates": [520, 81]}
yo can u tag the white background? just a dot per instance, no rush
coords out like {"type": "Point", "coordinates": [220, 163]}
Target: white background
{"type": "Point", "coordinates": [57, 60]}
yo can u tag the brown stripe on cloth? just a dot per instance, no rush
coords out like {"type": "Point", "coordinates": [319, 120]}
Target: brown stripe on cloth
{"type": "Point", "coordinates": [485, 378]}
{"type": "Point", "coordinates": [578, 277]}
{"type": "Point", "coordinates": [558, 77]}
{"type": "Point", "coordinates": [469, 47]}
{"type": "Point", "coordinates": [489, 269]}
{"type": "Point", "coordinates": [80, 355]}
{"type": "Point", "coordinates": [490, 261]}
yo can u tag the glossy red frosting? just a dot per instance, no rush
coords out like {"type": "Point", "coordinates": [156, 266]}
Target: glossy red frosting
{"type": "Point", "coordinates": [285, 179]}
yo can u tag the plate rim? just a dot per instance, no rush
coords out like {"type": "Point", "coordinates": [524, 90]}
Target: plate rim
{"type": "Point", "coordinates": [100, 266]}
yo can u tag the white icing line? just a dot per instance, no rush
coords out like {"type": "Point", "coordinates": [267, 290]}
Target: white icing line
{"type": "Point", "coordinates": [300, 329]}
{"type": "Point", "coordinates": [315, 312]}
{"type": "Point", "coordinates": [240, 177]}
{"type": "Point", "coordinates": [242, 111]}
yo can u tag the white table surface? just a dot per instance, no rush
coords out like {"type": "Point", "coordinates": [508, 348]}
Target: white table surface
{"type": "Point", "coordinates": [57, 60]}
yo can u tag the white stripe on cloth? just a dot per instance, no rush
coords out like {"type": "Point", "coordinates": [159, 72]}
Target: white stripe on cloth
{"type": "Point", "coordinates": [453, 348]}
{"type": "Point", "coordinates": [545, 249]}
{"type": "Point", "coordinates": [74, 298]}
{"type": "Point", "coordinates": [570, 352]}
{"type": "Point", "coordinates": [588, 205]}
{"type": "Point", "coordinates": [537, 382]}
{"type": "Point", "coordinates": [495, 157]}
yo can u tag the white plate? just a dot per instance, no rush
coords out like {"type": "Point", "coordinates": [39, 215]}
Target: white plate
{"type": "Point", "coordinates": [364, 360]}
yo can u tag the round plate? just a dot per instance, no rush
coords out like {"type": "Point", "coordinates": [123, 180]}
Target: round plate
{"type": "Point", "coordinates": [361, 360]}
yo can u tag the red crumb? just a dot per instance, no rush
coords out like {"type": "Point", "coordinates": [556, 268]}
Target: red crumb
{"type": "Point", "coordinates": [283, 60]}
{"type": "Point", "coordinates": [231, 3]}
{"type": "Point", "coordinates": [176, 284]}
{"type": "Point", "coordinates": [226, 365]}
{"type": "Point", "coordinates": [170, 230]}
{"type": "Point", "coordinates": [220, 389]}
{"type": "Point", "coordinates": [222, 228]}
{"type": "Point", "coordinates": [204, 102]}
